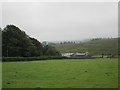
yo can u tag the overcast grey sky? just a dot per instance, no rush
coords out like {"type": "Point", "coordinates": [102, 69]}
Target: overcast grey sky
{"type": "Point", "coordinates": [54, 21]}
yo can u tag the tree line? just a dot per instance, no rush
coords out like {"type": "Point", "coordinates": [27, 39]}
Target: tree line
{"type": "Point", "coordinates": [16, 43]}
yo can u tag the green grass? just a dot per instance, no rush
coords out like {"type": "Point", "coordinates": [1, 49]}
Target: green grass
{"type": "Point", "coordinates": [107, 46]}
{"type": "Point", "coordinates": [0, 75]}
{"type": "Point", "coordinates": [74, 73]}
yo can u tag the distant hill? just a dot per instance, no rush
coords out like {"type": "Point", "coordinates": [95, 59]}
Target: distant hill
{"type": "Point", "coordinates": [95, 47]}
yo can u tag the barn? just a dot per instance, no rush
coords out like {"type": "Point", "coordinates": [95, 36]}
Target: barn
{"type": "Point", "coordinates": [75, 55]}
{"type": "Point", "coordinates": [79, 55]}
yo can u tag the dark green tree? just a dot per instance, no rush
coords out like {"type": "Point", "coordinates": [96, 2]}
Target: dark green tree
{"type": "Point", "coordinates": [50, 51]}
{"type": "Point", "coordinates": [38, 45]}
{"type": "Point", "coordinates": [0, 42]}
{"type": "Point", "coordinates": [16, 42]}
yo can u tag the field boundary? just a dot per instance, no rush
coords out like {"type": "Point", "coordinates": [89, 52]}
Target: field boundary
{"type": "Point", "coordinates": [17, 59]}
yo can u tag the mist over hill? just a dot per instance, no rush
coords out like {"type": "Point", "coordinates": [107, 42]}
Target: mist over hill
{"type": "Point", "coordinates": [18, 43]}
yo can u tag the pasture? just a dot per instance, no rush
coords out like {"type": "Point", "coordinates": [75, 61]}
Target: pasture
{"type": "Point", "coordinates": [108, 46]}
{"type": "Point", "coordinates": [73, 73]}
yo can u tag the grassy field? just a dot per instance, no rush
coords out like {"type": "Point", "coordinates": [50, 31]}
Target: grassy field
{"type": "Point", "coordinates": [107, 46]}
{"type": "Point", "coordinates": [74, 73]}
{"type": "Point", "coordinates": [0, 75]}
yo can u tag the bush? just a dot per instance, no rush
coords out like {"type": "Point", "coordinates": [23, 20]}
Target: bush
{"type": "Point", "coordinates": [10, 59]}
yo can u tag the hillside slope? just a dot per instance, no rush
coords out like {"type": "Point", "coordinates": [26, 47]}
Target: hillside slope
{"type": "Point", "coordinates": [97, 47]}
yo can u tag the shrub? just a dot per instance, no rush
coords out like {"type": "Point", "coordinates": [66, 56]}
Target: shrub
{"type": "Point", "coordinates": [10, 59]}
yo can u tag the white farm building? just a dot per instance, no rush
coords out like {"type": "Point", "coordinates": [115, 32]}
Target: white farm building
{"type": "Point", "coordinates": [75, 54]}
